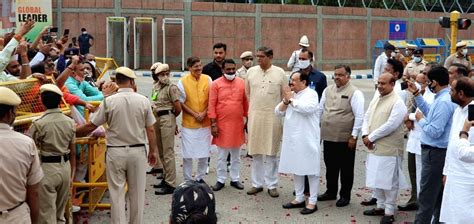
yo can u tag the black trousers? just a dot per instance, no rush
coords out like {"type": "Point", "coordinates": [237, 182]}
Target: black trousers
{"type": "Point", "coordinates": [431, 184]}
{"type": "Point", "coordinates": [339, 159]}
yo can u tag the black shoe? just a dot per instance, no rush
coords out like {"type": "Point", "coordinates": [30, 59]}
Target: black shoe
{"type": "Point", "coordinates": [237, 185]}
{"type": "Point", "coordinates": [218, 186]}
{"type": "Point", "coordinates": [166, 189]}
{"type": "Point", "coordinates": [374, 212]}
{"type": "Point", "coordinates": [326, 197]}
{"type": "Point", "coordinates": [154, 171]}
{"type": "Point", "coordinates": [372, 201]}
{"type": "Point", "coordinates": [342, 202]}
{"type": "Point", "coordinates": [201, 181]}
{"type": "Point", "coordinates": [307, 211]}
{"type": "Point", "coordinates": [408, 207]}
{"type": "Point", "coordinates": [160, 185]}
{"type": "Point", "coordinates": [291, 205]}
{"type": "Point", "coordinates": [387, 219]}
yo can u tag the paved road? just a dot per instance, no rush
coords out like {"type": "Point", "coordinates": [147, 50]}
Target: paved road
{"type": "Point", "coordinates": [235, 206]}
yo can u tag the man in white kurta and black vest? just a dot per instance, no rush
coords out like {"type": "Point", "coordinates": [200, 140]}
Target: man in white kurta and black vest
{"type": "Point", "coordinates": [382, 133]}
{"type": "Point", "coordinates": [300, 147]}
{"type": "Point", "coordinates": [264, 89]}
{"type": "Point", "coordinates": [342, 109]}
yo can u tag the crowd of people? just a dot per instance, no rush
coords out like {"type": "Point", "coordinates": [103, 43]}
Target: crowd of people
{"type": "Point", "coordinates": [283, 120]}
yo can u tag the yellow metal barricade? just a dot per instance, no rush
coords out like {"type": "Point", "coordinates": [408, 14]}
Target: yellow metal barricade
{"type": "Point", "coordinates": [104, 64]}
{"type": "Point", "coordinates": [31, 107]}
{"type": "Point", "coordinates": [94, 148]}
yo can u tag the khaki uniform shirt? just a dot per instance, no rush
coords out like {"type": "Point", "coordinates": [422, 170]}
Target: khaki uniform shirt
{"type": "Point", "coordinates": [53, 133]}
{"type": "Point", "coordinates": [19, 167]}
{"type": "Point", "coordinates": [264, 90]}
{"type": "Point", "coordinates": [413, 69]}
{"type": "Point", "coordinates": [128, 115]}
{"type": "Point", "coordinates": [454, 59]}
{"type": "Point", "coordinates": [163, 97]}
{"type": "Point", "coordinates": [242, 73]}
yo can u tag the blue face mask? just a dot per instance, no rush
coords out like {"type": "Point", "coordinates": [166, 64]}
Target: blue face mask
{"type": "Point", "coordinates": [417, 59]}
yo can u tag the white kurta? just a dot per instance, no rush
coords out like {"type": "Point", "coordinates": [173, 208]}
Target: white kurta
{"type": "Point", "coordinates": [196, 142]}
{"type": "Point", "coordinates": [300, 152]}
{"type": "Point", "coordinates": [458, 194]}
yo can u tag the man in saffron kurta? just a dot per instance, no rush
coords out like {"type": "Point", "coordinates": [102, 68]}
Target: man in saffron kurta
{"type": "Point", "coordinates": [227, 110]}
{"type": "Point", "coordinates": [264, 88]}
{"type": "Point", "coordinates": [196, 132]}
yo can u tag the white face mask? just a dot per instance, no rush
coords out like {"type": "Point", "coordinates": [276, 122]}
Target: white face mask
{"type": "Point", "coordinates": [393, 54]}
{"type": "Point", "coordinates": [464, 51]}
{"type": "Point", "coordinates": [248, 63]}
{"type": "Point", "coordinates": [85, 32]}
{"type": "Point", "coordinates": [417, 59]}
{"type": "Point", "coordinates": [229, 77]}
{"type": "Point", "coordinates": [302, 64]}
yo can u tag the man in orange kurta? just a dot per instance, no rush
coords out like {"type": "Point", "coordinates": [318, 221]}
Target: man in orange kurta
{"type": "Point", "coordinates": [227, 110]}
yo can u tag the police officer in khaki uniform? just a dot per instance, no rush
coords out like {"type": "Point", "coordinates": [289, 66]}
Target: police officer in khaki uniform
{"type": "Point", "coordinates": [166, 107]}
{"type": "Point", "coordinates": [19, 167]}
{"type": "Point", "coordinates": [415, 66]}
{"type": "Point", "coordinates": [130, 120]}
{"type": "Point", "coordinates": [54, 134]}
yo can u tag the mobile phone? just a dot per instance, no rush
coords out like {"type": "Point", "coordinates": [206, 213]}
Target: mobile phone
{"type": "Point", "coordinates": [470, 115]}
{"type": "Point", "coordinates": [66, 33]}
{"type": "Point", "coordinates": [46, 38]}
{"type": "Point", "coordinates": [53, 30]}
{"type": "Point", "coordinates": [404, 85]}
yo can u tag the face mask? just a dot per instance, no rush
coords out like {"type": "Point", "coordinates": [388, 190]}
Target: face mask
{"type": "Point", "coordinates": [230, 77]}
{"type": "Point", "coordinates": [432, 89]}
{"type": "Point", "coordinates": [393, 54]}
{"type": "Point", "coordinates": [88, 73]}
{"type": "Point", "coordinates": [302, 64]}
{"type": "Point", "coordinates": [164, 79]}
{"type": "Point", "coordinates": [85, 32]}
{"type": "Point", "coordinates": [464, 51]}
{"type": "Point", "coordinates": [417, 59]}
{"type": "Point", "coordinates": [248, 63]}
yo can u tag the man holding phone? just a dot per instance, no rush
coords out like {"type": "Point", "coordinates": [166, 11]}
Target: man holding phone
{"type": "Point", "coordinates": [436, 127]}
{"type": "Point", "coordinates": [457, 171]}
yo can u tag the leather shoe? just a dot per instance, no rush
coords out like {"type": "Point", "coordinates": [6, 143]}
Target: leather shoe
{"type": "Point", "coordinates": [307, 211]}
{"type": "Point", "coordinates": [291, 205]}
{"type": "Point", "coordinates": [372, 201]}
{"type": "Point", "coordinates": [254, 190]}
{"type": "Point", "coordinates": [387, 219]}
{"type": "Point", "coordinates": [408, 207]}
{"type": "Point", "coordinates": [218, 186]}
{"type": "Point", "coordinates": [273, 193]}
{"type": "Point", "coordinates": [237, 184]}
{"type": "Point", "coordinates": [342, 202]}
{"type": "Point", "coordinates": [164, 190]}
{"type": "Point", "coordinates": [374, 212]}
{"type": "Point", "coordinates": [326, 197]}
{"type": "Point", "coordinates": [160, 185]}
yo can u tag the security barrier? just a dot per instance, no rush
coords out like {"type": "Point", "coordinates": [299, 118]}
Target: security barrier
{"type": "Point", "coordinates": [435, 44]}
{"type": "Point", "coordinates": [104, 64]}
{"type": "Point", "coordinates": [94, 148]}
{"type": "Point", "coordinates": [31, 107]}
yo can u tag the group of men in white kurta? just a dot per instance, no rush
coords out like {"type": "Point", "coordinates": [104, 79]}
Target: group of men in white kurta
{"type": "Point", "coordinates": [338, 119]}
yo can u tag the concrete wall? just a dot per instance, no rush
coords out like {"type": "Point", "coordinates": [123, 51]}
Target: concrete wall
{"type": "Point", "coordinates": [337, 35]}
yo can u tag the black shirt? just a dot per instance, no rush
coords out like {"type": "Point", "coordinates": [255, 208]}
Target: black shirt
{"type": "Point", "coordinates": [317, 81]}
{"type": "Point", "coordinates": [213, 70]}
